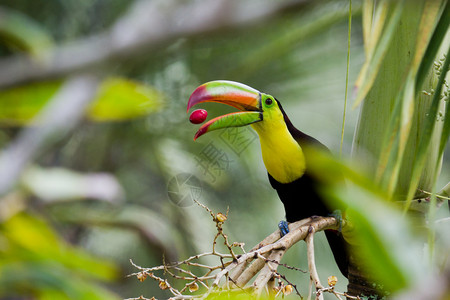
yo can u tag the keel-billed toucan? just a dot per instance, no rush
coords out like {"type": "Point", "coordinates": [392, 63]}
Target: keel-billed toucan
{"type": "Point", "coordinates": [284, 148]}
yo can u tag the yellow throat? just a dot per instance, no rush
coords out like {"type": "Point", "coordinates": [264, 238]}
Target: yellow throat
{"type": "Point", "coordinates": [282, 155]}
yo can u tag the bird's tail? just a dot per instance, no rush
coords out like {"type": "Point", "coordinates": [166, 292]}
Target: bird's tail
{"type": "Point", "coordinates": [340, 249]}
{"type": "Point", "coordinates": [359, 283]}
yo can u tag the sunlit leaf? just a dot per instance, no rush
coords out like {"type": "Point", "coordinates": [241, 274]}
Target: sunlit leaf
{"type": "Point", "coordinates": [36, 262]}
{"type": "Point", "coordinates": [367, 18]}
{"type": "Point", "coordinates": [18, 31]}
{"type": "Point", "coordinates": [377, 24]}
{"type": "Point", "coordinates": [122, 99]}
{"type": "Point", "coordinates": [117, 99]}
{"type": "Point", "coordinates": [21, 104]}
{"type": "Point", "coordinates": [30, 239]}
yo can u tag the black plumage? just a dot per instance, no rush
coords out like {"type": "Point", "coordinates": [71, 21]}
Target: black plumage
{"type": "Point", "coordinates": [302, 199]}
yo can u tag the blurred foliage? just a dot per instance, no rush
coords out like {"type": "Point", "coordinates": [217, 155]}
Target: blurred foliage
{"type": "Point", "coordinates": [390, 244]}
{"type": "Point", "coordinates": [399, 137]}
{"type": "Point", "coordinates": [120, 99]}
{"type": "Point", "coordinates": [46, 231]}
{"type": "Point", "coordinates": [21, 104]}
{"type": "Point", "coordinates": [117, 99]}
{"type": "Point", "coordinates": [35, 262]}
{"type": "Point", "coordinates": [58, 184]}
{"type": "Point", "coordinates": [20, 32]}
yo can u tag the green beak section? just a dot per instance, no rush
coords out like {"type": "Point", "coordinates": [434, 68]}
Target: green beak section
{"type": "Point", "coordinates": [236, 119]}
{"type": "Point", "coordinates": [235, 94]}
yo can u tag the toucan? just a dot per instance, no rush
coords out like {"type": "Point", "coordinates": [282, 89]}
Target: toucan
{"type": "Point", "coordinates": [285, 152]}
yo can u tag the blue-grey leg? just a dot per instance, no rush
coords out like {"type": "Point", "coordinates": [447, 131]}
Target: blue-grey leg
{"type": "Point", "coordinates": [337, 214]}
{"type": "Point", "coordinates": [284, 228]}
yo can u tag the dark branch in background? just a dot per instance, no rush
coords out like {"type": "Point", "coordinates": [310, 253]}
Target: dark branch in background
{"type": "Point", "coordinates": [60, 116]}
{"type": "Point", "coordinates": [147, 26]}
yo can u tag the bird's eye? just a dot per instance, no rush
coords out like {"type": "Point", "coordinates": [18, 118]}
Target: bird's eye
{"type": "Point", "coordinates": [269, 101]}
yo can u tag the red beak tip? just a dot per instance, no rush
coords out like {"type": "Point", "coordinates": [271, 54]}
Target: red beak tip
{"type": "Point", "coordinates": [199, 133]}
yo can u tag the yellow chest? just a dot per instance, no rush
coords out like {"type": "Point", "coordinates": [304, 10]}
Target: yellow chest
{"type": "Point", "coordinates": [282, 155]}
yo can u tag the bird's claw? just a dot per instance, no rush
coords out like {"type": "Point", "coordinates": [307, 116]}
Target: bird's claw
{"type": "Point", "coordinates": [337, 214]}
{"type": "Point", "coordinates": [284, 228]}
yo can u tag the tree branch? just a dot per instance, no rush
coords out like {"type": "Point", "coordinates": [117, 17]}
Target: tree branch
{"type": "Point", "coordinates": [234, 271]}
{"type": "Point", "coordinates": [312, 263]}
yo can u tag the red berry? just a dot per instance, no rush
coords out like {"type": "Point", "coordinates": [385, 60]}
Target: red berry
{"type": "Point", "coordinates": [198, 116]}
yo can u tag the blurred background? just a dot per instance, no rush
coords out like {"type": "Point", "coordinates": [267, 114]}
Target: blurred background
{"type": "Point", "coordinates": [114, 180]}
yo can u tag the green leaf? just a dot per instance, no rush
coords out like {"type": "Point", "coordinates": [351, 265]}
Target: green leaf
{"type": "Point", "coordinates": [36, 262]}
{"type": "Point", "coordinates": [393, 114]}
{"type": "Point", "coordinates": [383, 237]}
{"type": "Point", "coordinates": [446, 128]}
{"type": "Point", "coordinates": [32, 240]}
{"type": "Point", "coordinates": [376, 25]}
{"type": "Point", "coordinates": [390, 143]}
{"type": "Point", "coordinates": [367, 18]}
{"type": "Point", "coordinates": [433, 46]}
{"type": "Point", "coordinates": [445, 191]}
{"type": "Point", "coordinates": [400, 127]}
{"type": "Point", "coordinates": [427, 24]}
{"type": "Point", "coordinates": [121, 99]}
{"type": "Point", "coordinates": [370, 69]}
{"type": "Point", "coordinates": [426, 133]}
{"type": "Point", "coordinates": [18, 31]}
{"type": "Point", "coordinates": [391, 251]}
{"type": "Point", "coordinates": [46, 280]}
{"type": "Point", "coordinates": [117, 99]}
{"type": "Point", "coordinates": [19, 105]}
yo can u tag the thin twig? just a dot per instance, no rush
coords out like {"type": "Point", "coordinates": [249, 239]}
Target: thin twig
{"type": "Point", "coordinates": [437, 195]}
{"type": "Point", "coordinates": [290, 283]}
{"type": "Point", "coordinates": [235, 270]}
{"type": "Point", "coordinates": [312, 264]}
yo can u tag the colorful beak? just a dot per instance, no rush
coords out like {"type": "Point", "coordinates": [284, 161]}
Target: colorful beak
{"type": "Point", "coordinates": [235, 94]}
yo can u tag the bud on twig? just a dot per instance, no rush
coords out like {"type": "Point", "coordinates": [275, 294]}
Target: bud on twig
{"type": "Point", "coordinates": [220, 217]}
{"type": "Point", "coordinates": [193, 287]}
{"type": "Point", "coordinates": [332, 280]}
{"type": "Point", "coordinates": [163, 285]}
{"type": "Point", "coordinates": [141, 276]}
{"type": "Point", "coordinates": [287, 290]}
